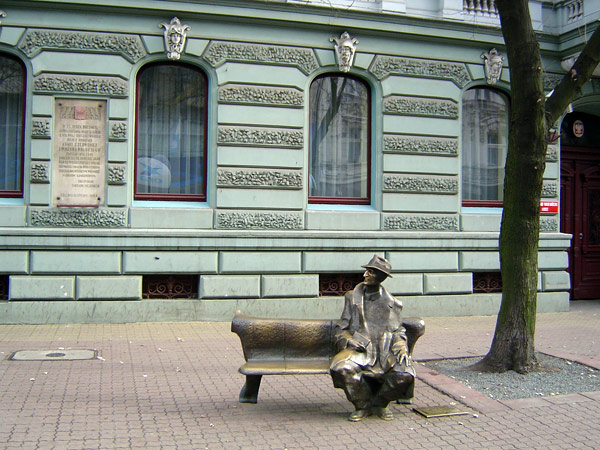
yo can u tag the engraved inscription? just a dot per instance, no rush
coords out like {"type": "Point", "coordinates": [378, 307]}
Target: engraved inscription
{"type": "Point", "coordinates": [79, 152]}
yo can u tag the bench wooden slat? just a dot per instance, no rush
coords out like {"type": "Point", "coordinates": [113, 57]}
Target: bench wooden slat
{"type": "Point", "coordinates": [296, 367]}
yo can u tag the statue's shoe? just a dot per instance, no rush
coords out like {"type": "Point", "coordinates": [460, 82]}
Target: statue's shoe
{"type": "Point", "coordinates": [383, 413]}
{"type": "Point", "coordinates": [359, 415]}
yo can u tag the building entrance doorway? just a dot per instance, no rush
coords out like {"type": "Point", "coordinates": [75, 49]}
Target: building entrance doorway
{"type": "Point", "coordinates": [580, 201]}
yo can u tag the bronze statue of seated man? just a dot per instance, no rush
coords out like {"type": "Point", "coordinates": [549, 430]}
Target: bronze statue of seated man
{"type": "Point", "coordinates": [373, 365]}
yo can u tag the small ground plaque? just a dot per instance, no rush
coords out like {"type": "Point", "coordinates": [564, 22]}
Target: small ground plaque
{"type": "Point", "coordinates": [440, 411]}
{"type": "Point", "coordinates": [53, 355]}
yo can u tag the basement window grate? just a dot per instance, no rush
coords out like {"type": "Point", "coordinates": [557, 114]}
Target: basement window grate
{"type": "Point", "coordinates": [169, 286]}
{"type": "Point", "coordinates": [336, 284]}
{"type": "Point", "coordinates": [487, 282]}
{"type": "Point", "coordinates": [3, 287]}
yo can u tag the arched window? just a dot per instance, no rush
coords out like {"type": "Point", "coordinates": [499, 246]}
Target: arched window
{"type": "Point", "coordinates": [12, 112]}
{"type": "Point", "coordinates": [339, 140]}
{"type": "Point", "coordinates": [171, 133]}
{"type": "Point", "coordinates": [485, 118]}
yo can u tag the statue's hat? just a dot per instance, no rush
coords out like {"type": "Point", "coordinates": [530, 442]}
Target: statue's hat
{"type": "Point", "coordinates": [381, 264]}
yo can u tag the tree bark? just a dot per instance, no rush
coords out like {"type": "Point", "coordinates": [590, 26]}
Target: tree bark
{"type": "Point", "coordinates": [531, 117]}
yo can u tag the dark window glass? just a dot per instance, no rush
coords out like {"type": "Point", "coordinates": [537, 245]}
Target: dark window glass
{"type": "Point", "coordinates": [485, 117]}
{"type": "Point", "coordinates": [339, 140]}
{"type": "Point", "coordinates": [171, 133]}
{"type": "Point", "coordinates": [12, 101]}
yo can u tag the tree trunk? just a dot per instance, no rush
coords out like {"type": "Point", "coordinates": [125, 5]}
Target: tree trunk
{"type": "Point", "coordinates": [531, 118]}
{"type": "Point", "coordinates": [513, 343]}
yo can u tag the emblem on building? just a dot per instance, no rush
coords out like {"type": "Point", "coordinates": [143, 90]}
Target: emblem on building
{"type": "Point", "coordinates": [345, 49]}
{"type": "Point", "coordinates": [493, 65]}
{"type": "Point", "coordinates": [174, 37]}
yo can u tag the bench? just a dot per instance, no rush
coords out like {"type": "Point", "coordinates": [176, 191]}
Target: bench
{"type": "Point", "coordinates": [293, 347]}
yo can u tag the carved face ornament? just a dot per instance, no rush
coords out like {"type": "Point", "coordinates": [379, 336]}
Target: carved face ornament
{"type": "Point", "coordinates": [174, 37]}
{"type": "Point", "coordinates": [493, 65]}
{"type": "Point", "coordinates": [345, 49]}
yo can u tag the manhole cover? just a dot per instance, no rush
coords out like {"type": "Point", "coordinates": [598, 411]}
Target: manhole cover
{"type": "Point", "coordinates": [53, 355]}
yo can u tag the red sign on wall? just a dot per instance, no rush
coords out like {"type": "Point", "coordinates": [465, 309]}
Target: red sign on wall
{"type": "Point", "coordinates": [548, 206]}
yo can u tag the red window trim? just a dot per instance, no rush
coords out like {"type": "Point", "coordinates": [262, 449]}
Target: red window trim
{"type": "Point", "coordinates": [347, 200]}
{"type": "Point", "coordinates": [171, 197]}
{"type": "Point", "coordinates": [483, 203]}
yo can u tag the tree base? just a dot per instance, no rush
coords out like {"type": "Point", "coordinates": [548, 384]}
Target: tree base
{"type": "Point", "coordinates": [492, 365]}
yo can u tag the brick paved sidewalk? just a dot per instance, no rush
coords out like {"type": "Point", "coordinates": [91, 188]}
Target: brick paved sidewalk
{"type": "Point", "coordinates": [175, 386]}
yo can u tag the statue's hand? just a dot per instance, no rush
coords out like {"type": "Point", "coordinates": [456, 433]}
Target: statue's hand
{"type": "Point", "coordinates": [401, 357]}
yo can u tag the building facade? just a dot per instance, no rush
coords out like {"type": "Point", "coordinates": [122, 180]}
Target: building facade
{"type": "Point", "coordinates": [179, 160]}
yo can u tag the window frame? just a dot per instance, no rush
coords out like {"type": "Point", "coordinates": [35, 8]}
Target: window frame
{"type": "Point", "coordinates": [137, 196]}
{"type": "Point", "coordinates": [18, 193]}
{"type": "Point", "coordinates": [486, 203]}
{"type": "Point", "coordinates": [324, 200]}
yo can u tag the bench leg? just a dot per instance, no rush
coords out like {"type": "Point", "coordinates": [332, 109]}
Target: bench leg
{"type": "Point", "coordinates": [249, 393]}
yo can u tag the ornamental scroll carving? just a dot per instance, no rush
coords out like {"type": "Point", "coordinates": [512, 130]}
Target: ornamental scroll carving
{"type": "Point", "coordinates": [78, 217]}
{"type": "Point", "coordinates": [550, 190]}
{"type": "Point", "coordinates": [548, 224]}
{"type": "Point", "coordinates": [41, 128]}
{"type": "Point", "coordinates": [383, 66]}
{"type": "Point", "coordinates": [420, 223]}
{"type": "Point", "coordinates": [128, 46]}
{"type": "Point", "coordinates": [116, 174]}
{"type": "Point", "coordinates": [281, 179]}
{"type": "Point", "coordinates": [552, 153]}
{"type": "Point", "coordinates": [118, 130]}
{"type": "Point", "coordinates": [261, 137]}
{"type": "Point", "coordinates": [272, 220]}
{"type": "Point", "coordinates": [420, 144]}
{"type": "Point", "coordinates": [261, 95]}
{"type": "Point", "coordinates": [80, 84]}
{"type": "Point", "coordinates": [219, 52]}
{"type": "Point", "coordinates": [40, 172]}
{"type": "Point", "coordinates": [418, 106]}
{"type": "Point", "coordinates": [345, 47]}
{"type": "Point", "coordinates": [551, 80]}
{"type": "Point", "coordinates": [420, 184]}
{"type": "Point", "coordinates": [175, 35]}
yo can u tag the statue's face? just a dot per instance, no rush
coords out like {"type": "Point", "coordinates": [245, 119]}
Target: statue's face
{"type": "Point", "coordinates": [373, 277]}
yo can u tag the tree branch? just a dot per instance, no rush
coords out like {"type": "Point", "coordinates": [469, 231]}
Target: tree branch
{"type": "Point", "coordinates": [572, 82]}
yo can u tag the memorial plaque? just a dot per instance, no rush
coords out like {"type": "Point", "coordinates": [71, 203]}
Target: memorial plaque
{"type": "Point", "coordinates": [79, 163]}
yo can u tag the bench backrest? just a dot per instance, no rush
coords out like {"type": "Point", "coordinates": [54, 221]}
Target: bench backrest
{"type": "Point", "coordinates": [284, 339]}
{"type": "Point", "coordinates": [290, 339]}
